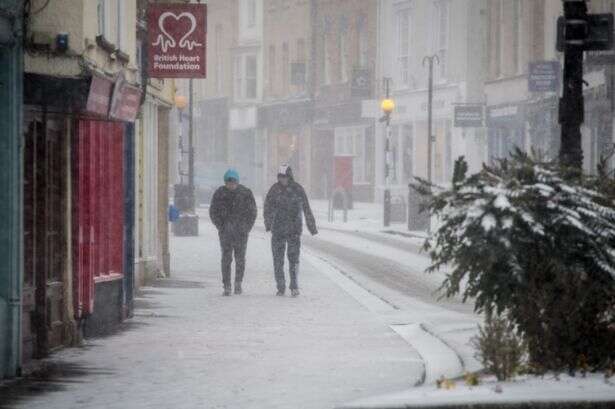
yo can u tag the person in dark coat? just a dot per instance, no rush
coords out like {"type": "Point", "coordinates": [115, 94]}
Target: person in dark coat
{"type": "Point", "coordinates": [285, 205]}
{"type": "Point", "coordinates": [233, 212]}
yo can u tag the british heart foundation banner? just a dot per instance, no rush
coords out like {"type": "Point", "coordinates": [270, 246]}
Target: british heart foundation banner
{"type": "Point", "coordinates": [177, 40]}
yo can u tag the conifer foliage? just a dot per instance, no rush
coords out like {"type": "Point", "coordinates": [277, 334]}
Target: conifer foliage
{"type": "Point", "coordinates": [520, 238]}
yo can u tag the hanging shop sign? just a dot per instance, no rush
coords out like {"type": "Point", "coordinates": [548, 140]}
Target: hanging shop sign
{"type": "Point", "coordinates": [544, 76]}
{"type": "Point", "coordinates": [125, 101]}
{"type": "Point", "coordinates": [99, 95]}
{"type": "Point", "coordinates": [469, 116]}
{"type": "Point", "coordinates": [177, 40]}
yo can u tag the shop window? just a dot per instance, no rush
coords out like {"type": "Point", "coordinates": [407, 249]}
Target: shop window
{"type": "Point", "coordinates": [407, 136]}
{"type": "Point", "coordinates": [352, 141]}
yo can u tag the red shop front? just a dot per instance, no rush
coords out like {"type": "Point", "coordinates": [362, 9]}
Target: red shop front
{"type": "Point", "coordinates": [98, 203]}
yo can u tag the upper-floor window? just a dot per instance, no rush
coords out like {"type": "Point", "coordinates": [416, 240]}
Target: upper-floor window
{"type": "Point", "coordinates": [300, 50]}
{"type": "Point", "coordinates": [251, 13]}
{"type": "Point", "coordinates": [285, 68]}
{"type": "Point", "coordinates": [272, 70]}
{"type": "Point", "coordinates": [362, 42]}
{"type": "Point", "coordinates": [246, 79]}
{"type": "Point", "coordinates": [403, 47]}
{"type": "Point", "coordinates": [101, 14]}
{"type": "Point", "coordinates": [343, 57]}
{"type": "Point", "coordinates": [442, 20]}
{"type": "Point", "coordinates": [327, 61]}
{"type": "Point", "coordinates": [219, 64]}
{"type": "Point", "coordinates": [120, 15]}
{"type": "Point", "coordinates": [516, 34]}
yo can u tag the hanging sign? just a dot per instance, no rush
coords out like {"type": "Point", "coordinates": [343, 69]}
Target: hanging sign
{"type": "Point", "coordinates": [177, 40]}
{"type": "Point", "coordinates": [99, 95]}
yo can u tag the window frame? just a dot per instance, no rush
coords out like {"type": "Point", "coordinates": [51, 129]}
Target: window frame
{"type": "Point", "coordinates": [441, 42]}
{"type": "Point", "coordinates": [402, 46]}
{"type": "Point", "coordinates": [243, 78]}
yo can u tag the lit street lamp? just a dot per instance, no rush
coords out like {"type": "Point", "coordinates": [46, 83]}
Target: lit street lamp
{"type": "Point", "coordinates": [388, 106]}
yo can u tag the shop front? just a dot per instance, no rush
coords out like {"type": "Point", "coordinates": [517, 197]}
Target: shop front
{"type": "Point", "coordinates": [286, 129]}
{"type": "Point", "coordinates": [11, 75]}
{"type": "Point", "coordinates": [75, 223]}
{"type": "Point", "coordinates": [506, 125]}
{"type": "Point", "coordinates": [344, 148]}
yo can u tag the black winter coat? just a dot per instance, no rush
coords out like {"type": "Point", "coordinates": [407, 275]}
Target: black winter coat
{"type": "Point", "coordinates": [233, 212]}
{"type": "Point", "coordinates": [283, 208]}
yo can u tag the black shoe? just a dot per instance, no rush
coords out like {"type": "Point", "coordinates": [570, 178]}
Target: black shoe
{"type": "Point", "coordinates": [238, 290]}
{"type": "Point", "coordinates": [294, 292]}
{"type": "Point", "coordinates": [280, 293]}
{"type": "Point", "coordinates": [227, 291]}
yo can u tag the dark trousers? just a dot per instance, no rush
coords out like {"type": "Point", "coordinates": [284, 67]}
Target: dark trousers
{"type": "Point", "coordinates": [233, 244]}
{"type": "Point", "coordinates": [292, 246]}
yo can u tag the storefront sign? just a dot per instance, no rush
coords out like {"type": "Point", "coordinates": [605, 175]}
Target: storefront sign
{"type": "Point", "coordinates": [99, 95]}
{"type": "Point", "coordinates": [469, 116]}
{"type": "Point", "coordinates": [285, 115]}
{"type": "Point", "coordinates": [125, 101]}
{"type": "Point", "coordinates": [177, 40]}
{"type": "Point", "coordinates": [511, 115]}
{"type": "Point", "coordinates": [544, 76]}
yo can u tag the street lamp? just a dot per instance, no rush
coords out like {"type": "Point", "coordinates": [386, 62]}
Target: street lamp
{"type": "Point", "coordinates": [388, 106]}
{"type": "Point", "coordinates": [430, 60]}
{"type": "Point", "coordinates": [181, 102]}
{"type": "Point", "coordinates": [187, 224]}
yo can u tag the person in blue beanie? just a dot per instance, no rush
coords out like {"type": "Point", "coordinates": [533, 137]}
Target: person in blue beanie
{"type": "Point", "coordinates": [233, 212]}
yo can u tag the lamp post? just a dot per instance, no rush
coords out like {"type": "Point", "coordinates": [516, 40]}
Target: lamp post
{"type": "Point", "coordinates": [188, 223]}
{"type": "Point", "coordinates": [387, 105]}
{"type": "Point", "coordinates": [181, 103]}
{"type": "Point", "coordinates": [430, 138]}
{"type": "Point", "coordinates": [430, 60]}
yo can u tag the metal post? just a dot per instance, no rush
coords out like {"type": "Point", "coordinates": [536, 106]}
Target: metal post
{"type": "Point", "coordinates": [571, 108]}
{"type": "Point", "coordinates": [387, 164]}
{"type": "Point", "coordinates": [430, 138]}
{"type": "Point", "coordinates": [191, 145]}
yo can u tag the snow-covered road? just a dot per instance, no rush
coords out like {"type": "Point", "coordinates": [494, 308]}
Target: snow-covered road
{"type": "Point", "coordinates": [188, 347]}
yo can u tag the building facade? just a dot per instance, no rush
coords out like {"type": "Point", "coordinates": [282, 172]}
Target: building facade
{"type": "Point", "coordinates": [78, 130]}
{"type": "Point", "coordinates": [284, 118]}
{"type": "Point", "coordinates": [344, 53]}
{"type": "Point", "coordinates": [409, 33]}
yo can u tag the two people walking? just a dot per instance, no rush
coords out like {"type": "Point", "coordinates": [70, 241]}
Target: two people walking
{"type": "Point", "coordinates": [233, 212]}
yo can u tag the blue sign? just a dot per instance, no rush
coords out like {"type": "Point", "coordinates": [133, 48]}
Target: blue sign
{"type": "Point", "coordinates": [544, 76]}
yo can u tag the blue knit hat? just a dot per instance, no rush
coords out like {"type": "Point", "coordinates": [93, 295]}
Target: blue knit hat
{"type": "Point", "coordinates": [231, 174]}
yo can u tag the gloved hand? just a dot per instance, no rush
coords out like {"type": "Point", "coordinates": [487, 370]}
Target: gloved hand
{"type": "Point", "coordinates": [313, 230]}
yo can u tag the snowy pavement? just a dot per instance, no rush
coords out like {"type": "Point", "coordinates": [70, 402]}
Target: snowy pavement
{"type": "Point", "coordinates": [189, 347]}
